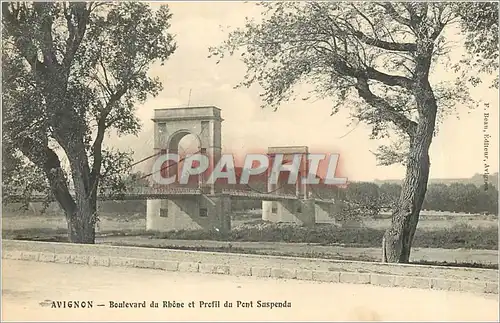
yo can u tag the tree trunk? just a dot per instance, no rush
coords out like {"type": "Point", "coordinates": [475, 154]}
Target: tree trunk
{"type": "Point", "coordinates": [81, 228]}
{"type": "Point", "coordinates": [397, 241]}
{"type": "Point", "coordinates": [399, 237]}
{"type": "Point", "coordinates": [80, 209]}
{"type": "Point", "coordinates": [81, 224]}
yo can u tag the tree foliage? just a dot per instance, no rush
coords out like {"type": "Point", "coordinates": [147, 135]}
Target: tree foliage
{"type": "Point", "coordinates": [360, 55]}
{"type": "Point", "coordinates": [72, 73]}
{"type": "Point", "coordinates": [378, 59]}
{"type": "Point", "coordinates": [479, 20]}
{"type": "Point", "coordinates": [360, 200]}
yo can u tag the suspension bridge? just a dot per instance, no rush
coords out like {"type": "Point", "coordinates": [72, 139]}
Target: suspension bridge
{"type": "Point", "coordinates": [166, 191]}
{"type": "Point", "coordinates": [147, 193]}
{"type": "Point", "coordinates": [177, 207]}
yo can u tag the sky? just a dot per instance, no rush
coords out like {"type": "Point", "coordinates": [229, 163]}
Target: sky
{"type": "Point", "coordinates": [456, 152]}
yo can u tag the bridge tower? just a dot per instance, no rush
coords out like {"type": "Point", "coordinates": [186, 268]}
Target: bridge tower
{"type": "Point", "coordinates": [205, 123]}
{"type": "Point", "coordinates": [288, 210]}
{"type": "Point", "coordinates": [209, 209]}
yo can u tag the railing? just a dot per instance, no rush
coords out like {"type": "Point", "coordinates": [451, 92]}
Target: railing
{"type": "Point", "coordinates": [262, 196]}
{"type": "Point", "coordinates": [166, 190]}
{"type": "Point", "coordinates": [141, 193]}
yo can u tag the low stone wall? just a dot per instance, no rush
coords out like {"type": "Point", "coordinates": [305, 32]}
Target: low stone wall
{"type": "Point", "coordinates": [389, 275]}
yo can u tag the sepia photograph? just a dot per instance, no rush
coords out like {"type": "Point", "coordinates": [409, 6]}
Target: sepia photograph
{"type": "Point", "coordinates": [250, 161]}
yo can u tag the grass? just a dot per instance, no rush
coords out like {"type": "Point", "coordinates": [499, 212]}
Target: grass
{"type": "Point", "coordinates": [458, 236]}
{"type": "Point", "coordinates": [473, 232]}
{"type": "Point", "coordinates": [317, 255]}
{"type": "Point", "coordinates": [230, 249]}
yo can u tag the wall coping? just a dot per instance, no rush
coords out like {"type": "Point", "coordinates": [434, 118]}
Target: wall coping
{"type": "Point", "coordinates": [375, 279]}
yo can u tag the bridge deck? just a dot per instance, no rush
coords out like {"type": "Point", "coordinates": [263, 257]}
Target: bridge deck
{"type": "Point", "coordinates": [152, 193]}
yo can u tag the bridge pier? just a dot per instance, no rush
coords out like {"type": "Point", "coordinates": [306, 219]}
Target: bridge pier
{"type": "Point", "coordinates": [304, 212]}
{"type": "Point", "coordinates": [324, 211]}
{"type": "Point", "coordinates": [205, 212]}
{"type": "Point", "coordinates": [289, 211]}
{"type": "Point", "coordinates": [153, 219]}
{"type": "Point", "coordinates": [267, 210]}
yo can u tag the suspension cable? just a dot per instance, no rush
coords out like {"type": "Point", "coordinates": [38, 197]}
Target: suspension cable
{"type": "Point", "coordinates": [144, 159]}
{"type": "Point", "coordinates": [260, 192]}
{"type": "Point", "coordinates": [166, 167]}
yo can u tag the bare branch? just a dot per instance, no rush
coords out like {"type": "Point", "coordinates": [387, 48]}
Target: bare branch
{"type": "Point", "coordinates": [49, 55]}
{"type": "Point", "coordinates": [405, 124]}
{"type": "Point", "coordinates": [389, 9]}
{"type": "Point", "coordinates": [101, 130]}
{"type": "Point", "coordinates": [402, 47]}
{"type": "Point", "coordinates": [79, 11]}
{"type": "Point", "coordinates": [388, 79]}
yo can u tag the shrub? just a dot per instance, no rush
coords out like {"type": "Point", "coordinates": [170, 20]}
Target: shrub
{"type": "Point", "coordinates": [459, 236]}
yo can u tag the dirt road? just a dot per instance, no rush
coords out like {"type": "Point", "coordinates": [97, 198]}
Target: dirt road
{"type": "Point", "coordinates": [29, 289]}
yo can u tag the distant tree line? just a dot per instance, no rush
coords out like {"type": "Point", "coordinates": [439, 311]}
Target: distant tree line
{"type": "Point", "coordinates": [370, 198]}
{"type": "Point", "coordinates": [457, 197]}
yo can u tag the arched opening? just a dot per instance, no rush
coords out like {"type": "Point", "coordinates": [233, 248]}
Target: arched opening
{"type": "Point", "coordinates": [183, 143]}
{"type": "Point", "coordinates": [188, 145]}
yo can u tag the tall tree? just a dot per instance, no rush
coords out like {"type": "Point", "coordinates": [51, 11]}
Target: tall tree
{"type": "Point", "coordinates": [73, 72]}
{"type": "Point", "coordinates": [375, 57]}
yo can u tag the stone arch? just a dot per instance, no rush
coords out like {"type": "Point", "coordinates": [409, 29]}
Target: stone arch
{"type": "Point", "coordinates": [172, 146]}
{"type": "Point", "coordinates": [174, 139]}
{"type": "Point", "coordinates": [171, 125]}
